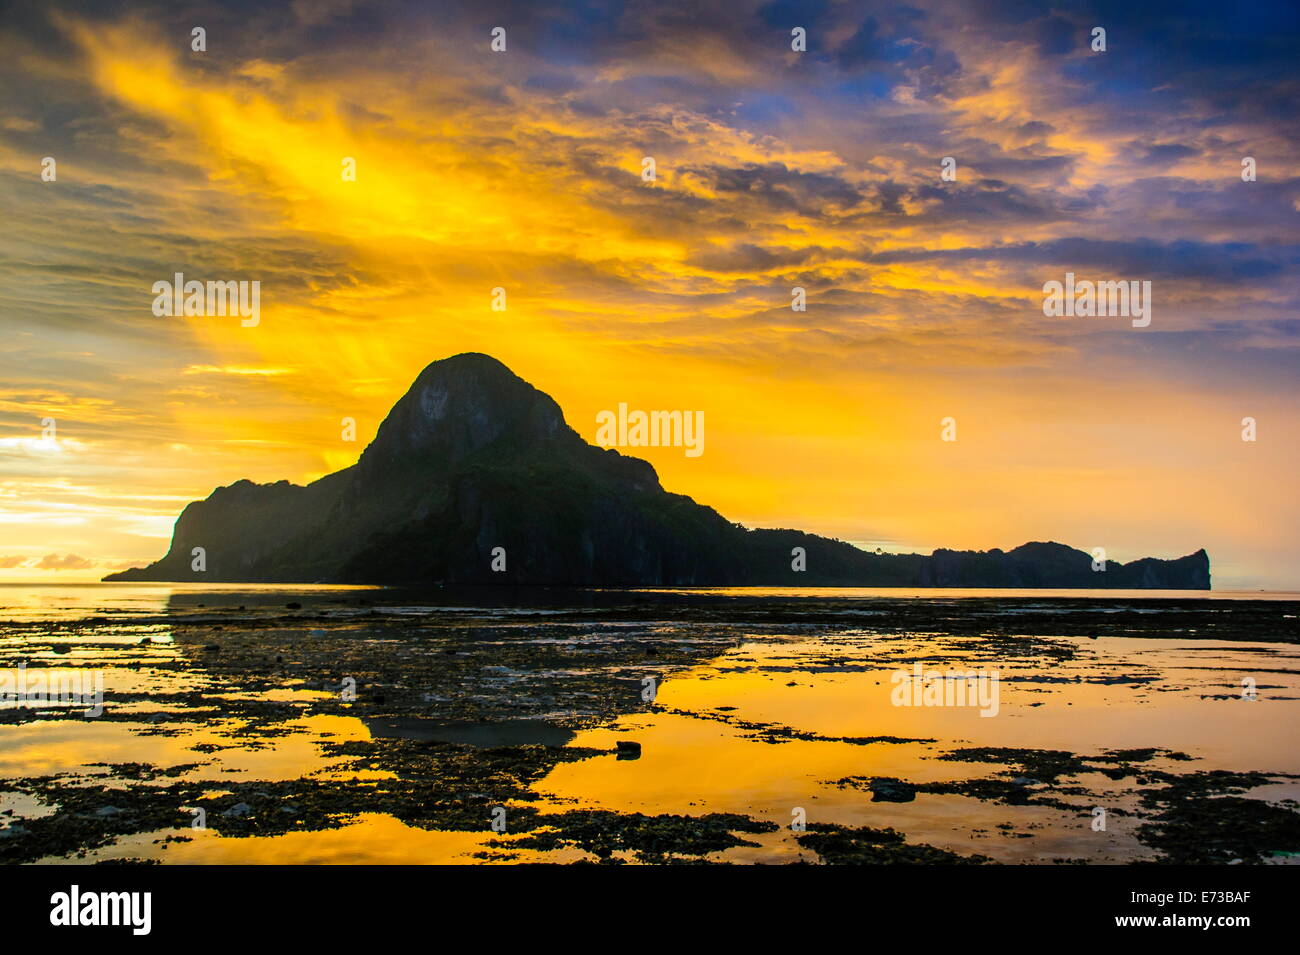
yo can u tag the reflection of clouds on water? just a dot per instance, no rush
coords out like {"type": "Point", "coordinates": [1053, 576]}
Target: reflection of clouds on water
{"type": "Point", "coordinates": [761, 705]}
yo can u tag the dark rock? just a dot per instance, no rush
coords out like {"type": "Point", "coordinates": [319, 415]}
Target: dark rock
{"type": "Point", "coordinates": [627, 749]}
{"type": "Point", "coordinates": [888, 789]}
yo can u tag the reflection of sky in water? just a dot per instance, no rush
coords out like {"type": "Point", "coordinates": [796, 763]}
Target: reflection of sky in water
{"type": "Point", "coordinates": [66, 746]}
{"type": "Point", "coordinates": [371, 838]}
{"type": "Point", "coordinates": [54, 602]}
{"type": "Point", "coordinates": [829, 689]}
{"type": "Point", "coordinates": [58, 602]}
{"type": "Point", "coordinates": [701, 753]}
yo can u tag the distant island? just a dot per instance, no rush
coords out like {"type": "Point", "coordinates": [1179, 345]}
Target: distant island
{"type": "Point", "coordinates": [475, 468]}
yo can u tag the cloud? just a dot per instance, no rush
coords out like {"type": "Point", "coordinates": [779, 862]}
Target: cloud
{"type": "Point", "coordinates": [64, 562]}
{"type": "Point", "coordinates": [524, 171]}
{"type": "Point", "coordinates": [232, 370]}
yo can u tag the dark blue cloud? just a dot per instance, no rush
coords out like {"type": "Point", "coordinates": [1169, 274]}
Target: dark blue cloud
{"type": "Point", "coordinates": [1224, 262]}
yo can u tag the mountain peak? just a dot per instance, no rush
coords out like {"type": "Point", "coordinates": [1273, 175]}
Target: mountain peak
{"type": "Point", "coordinates": [468, 362]}
{"type": "Point", "coordinates": [460, 405]}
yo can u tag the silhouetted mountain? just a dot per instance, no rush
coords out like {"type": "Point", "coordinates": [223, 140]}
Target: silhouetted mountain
{"type": "Point", "coordinates": [473, 458]}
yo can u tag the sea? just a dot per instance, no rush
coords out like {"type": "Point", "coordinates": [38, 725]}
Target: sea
{"type": "Point", "coordinates": [196, 724]}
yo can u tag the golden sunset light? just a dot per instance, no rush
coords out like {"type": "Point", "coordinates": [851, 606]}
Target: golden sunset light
{"type": "Point", "coordinates": [525, 173]}
{"type": "Point", "coordinates": [609, 432]}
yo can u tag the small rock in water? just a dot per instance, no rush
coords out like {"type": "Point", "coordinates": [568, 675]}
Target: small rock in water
{"type": "Point", "coordinates": [105, 811]}
{"type": "Point", "coordinates": [294, 605]}
{"type": "Point", "coordinates": [889, 789]}
{"type": "Point", "coordinates": [628, 749]}
{"type": "Point", "coordinates": [238, 810]}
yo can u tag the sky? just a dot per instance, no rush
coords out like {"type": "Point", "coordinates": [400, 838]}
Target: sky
{"type": "Point", "coordinates": [523, 169]}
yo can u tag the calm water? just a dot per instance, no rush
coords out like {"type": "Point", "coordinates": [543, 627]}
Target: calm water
{"type": "Point", "coordinates": [42, 601]}
{"type": "Point", "coordinates": [780, 708]}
